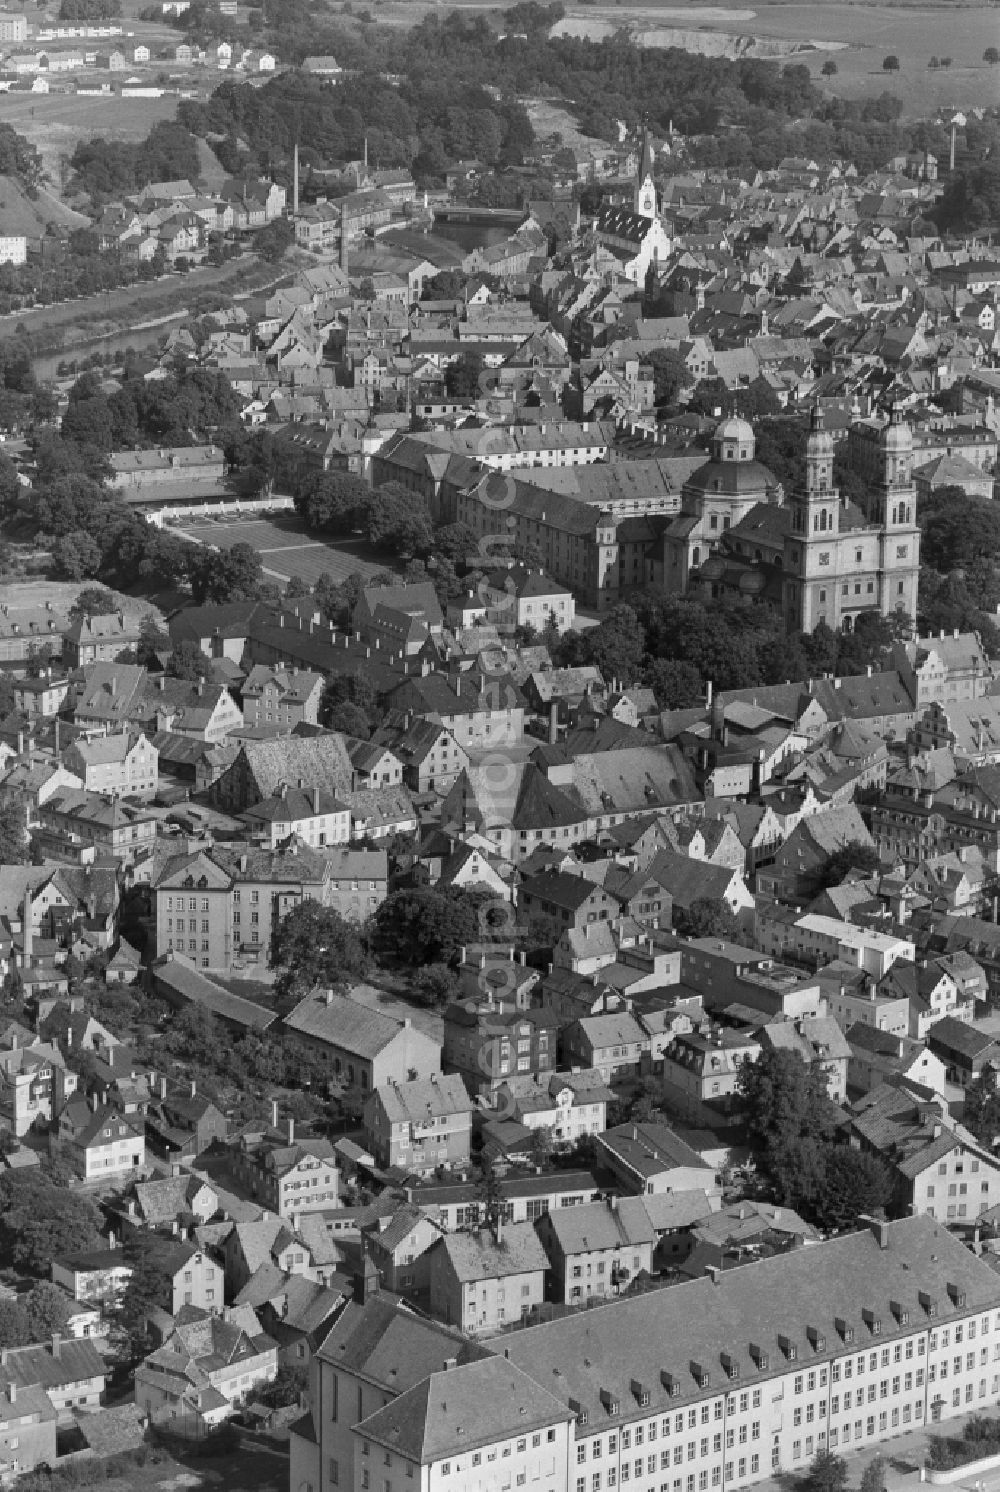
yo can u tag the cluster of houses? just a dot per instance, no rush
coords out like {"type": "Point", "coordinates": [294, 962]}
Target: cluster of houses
{"type": "Point", "coordinates": [809, 868]}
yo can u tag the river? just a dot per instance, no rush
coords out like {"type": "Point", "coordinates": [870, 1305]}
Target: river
{"type": "Point", "coordinates": [139, 339]}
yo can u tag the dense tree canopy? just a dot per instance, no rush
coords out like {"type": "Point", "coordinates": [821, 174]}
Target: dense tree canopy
{"type": "Point", "coordinates": [313, 945]}
{"type": "Point", "coordinates": [39, 1220]}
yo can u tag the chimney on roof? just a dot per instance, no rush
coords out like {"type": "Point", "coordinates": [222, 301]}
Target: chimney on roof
{"type": "Point", "coordinates": [56, 1344]}
{"type": "Point", "coordinates": [194, 1088]}
{"type": "Point", "coordinates": [290, 1128]}
{"type": "Point", "coordinates": [274, 1113]}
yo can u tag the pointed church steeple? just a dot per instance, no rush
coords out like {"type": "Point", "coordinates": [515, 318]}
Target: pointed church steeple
{"type": "Point", "coordinates": [645, 187]}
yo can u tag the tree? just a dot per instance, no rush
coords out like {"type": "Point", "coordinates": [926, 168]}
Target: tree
{"type": "Point", "coordinates": [143, 1292]}
{"type": "Point", "coordinates": [78, 556]}
{"type": "Point", "coordinates": [436, 985]}
{"type": "Point", "coordinates": [707, 918]}
{"type": "Point", "coordinates": [39, 1220]}
{"type": "Point", "coordinates": [314, 945]}
{"type": "Point", "coordinates": [230, 575]}
{"type": "Point", "coordinates": [851, 1185]}
{"type": "Point", "coordinates": [670, 374]}
{"type": "Point", "coordinates": [541, 1146]}
{"type": "Point", "coordinates": [489, 1202]}
{"type": "Point", "coordinates": [426, 926]}
{"type": "Point", "coordinates": [982, 1107]}
{"type": "Point", "coordinates": [784, 1099]}
{"type": "Point", "coordinates": [890, 64]}
{"type": "Point", "coordinates": [852, 856]}
{"type": "Point", "coordinates": [992, 56]}
{"type": "Point", "coordinates": [285, 1388]}
{"type": "Point", "coordinates": [827, 1473]}
{"type": "Point", "coordinates": [47, 1310]}
{"type": "Point", "coordinates": [463, 378]}
{"type": "Point", "coordinates": [14, 1328]}
{"type": "Point", "coordinates": [94, 600]}
{"type": "Point", "coordinates": [677, 686]}
{"type": "Point", "coordinates": [829, 68]}
{"type": "Point", "coordinates": [187, 661]}
{"type": "Point", "coordinates": [873, 1476]}
{"type": "Point", "coordinates": [14, 842]}
{"type": "Point", "coordinates": [349, 718]}
{"type": "Point", "coordinates": [399, 521]}
{"type": "Point", "coordinates": [274, 240]}
{"type": "Point", "coordinates": [618, 645]}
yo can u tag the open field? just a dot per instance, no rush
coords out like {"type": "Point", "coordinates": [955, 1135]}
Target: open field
{"type": "Point", "coordinates": [287, 548]}
{"type": "Point", "coordinates": [55, 123]}
{"type": "Point", "coordinates": [857, 35]}
{"type": "Point", "coordinates": [60, 595]}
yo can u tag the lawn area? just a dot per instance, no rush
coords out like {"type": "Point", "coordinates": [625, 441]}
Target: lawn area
{"type": "Point", "coordinates": [55, 123]}
{"type": "Point", "coordinates": [287, 548]}
{"type": "Point", "coordinates": [253, 1470]}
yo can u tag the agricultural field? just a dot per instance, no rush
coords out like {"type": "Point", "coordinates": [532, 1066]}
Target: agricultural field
{"type": "Point", "coordinates": [856, 36]}
{"type": "Point", "coordinates": [288, 548]}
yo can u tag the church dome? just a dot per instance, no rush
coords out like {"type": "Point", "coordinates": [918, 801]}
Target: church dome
{"type": "Point", "coordinates": [735, 479]}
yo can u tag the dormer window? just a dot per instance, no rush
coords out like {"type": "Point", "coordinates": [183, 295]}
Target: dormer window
{"type": "Point", "coordinates": [873, 1322]}
{"type": "Point", "coordinates": [956, 1296]}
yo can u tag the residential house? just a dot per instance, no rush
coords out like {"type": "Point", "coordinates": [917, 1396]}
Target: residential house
{"type": "Point", "coordinates": [310, 814]}
{"type": "Point", "coordinates": [486, 1280]}
{"type": "Point", "coordinates": [487, 1040]}
{"type": "Point", "coordinates": [103, 1143]}
{"type": "Point", "coordinates": [597, 1250]}
{"type": "Point", "coordinates": [878, 1056]}
{"type": "Point", "coordinates": [422, 1126]}
{"type": "Point", "coordinates": [703, 1067]}
{"type": "Point", "coordinates": [97, 1276]}
{"type": "Point", "coordinates": [204, 1371]}
{"type": "Point", "coordinates": [34, 1082]}
{"type": "Point", "coordinates": [613, 1044]}
{"type": "Point", "coordinates": [937, 1167]}
{"type": "Point", "coordinates": [357, 882]}
{"type": "Point", "coordinates": [568, 1104]}
{"type": "Point", "coordinates": [97, 639]}
{"type": "Point", "coordinates": [124, 765]}
{"type": "Point", "coordinates": [281, 696]}
{"type": "Point", "coordinates": [967, 1052]}
{"type": "Point", "coordinates": [798, 863]}
{"type": "Point", "coordinates": [72, 1374]}
{"type": "Point", "coordinates": [285, 1175]}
